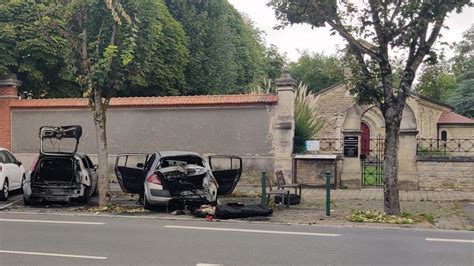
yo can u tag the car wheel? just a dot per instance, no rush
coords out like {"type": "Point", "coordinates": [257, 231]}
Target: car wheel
{"type": "Point", "coordinates": [4, 192]}
{"type": "Point", "coordinates": [26, 202]}
{"type": "Point", "coordinates": [21, 186]}
{"type": "Point", "coordinates": [84, 199]}
{"type": "Point", "coordinates": [146, 204]}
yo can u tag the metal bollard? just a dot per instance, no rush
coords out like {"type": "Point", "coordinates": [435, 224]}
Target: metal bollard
{"type": "Point", "coordinates": [264, 188]}
{"type": "Point", "coordinates": [328, 193]}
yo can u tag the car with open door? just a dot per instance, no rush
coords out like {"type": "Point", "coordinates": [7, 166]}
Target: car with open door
{"type": "Point", "coordinates": [60, 173]}
{"type": "Point", "coordinates": [177, 177]}
{"type": "Point", "coordinates": [11, 173]}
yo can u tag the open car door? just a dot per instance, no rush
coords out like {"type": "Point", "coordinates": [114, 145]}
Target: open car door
{"type": "Point", "coordinates": [130, 171]}
{"type": "Point", "coordinates": [227, 171]}
{"type": "Point", "coordinates": [60, 139]}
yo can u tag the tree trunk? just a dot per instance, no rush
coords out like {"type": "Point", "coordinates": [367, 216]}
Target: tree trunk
{"type": "Point", "coordinates": [99, 112]}
{"type": "Point", "coordinates": [390, 163]}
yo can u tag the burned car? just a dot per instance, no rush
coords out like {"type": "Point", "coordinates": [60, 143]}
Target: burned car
{"type": "Point", "coordinates": [185, 179]}
{"type": "Point", "coordinates": [60, 174]}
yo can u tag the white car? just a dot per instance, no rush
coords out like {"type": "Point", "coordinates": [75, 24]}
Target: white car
{"type": "Point", "coordinates": [12, 173]}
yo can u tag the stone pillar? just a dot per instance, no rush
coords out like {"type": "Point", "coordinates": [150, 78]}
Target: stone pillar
{"type": "Point", "coordinates": [8, 93]}
{"type": "Point", "coordinates": [351, 175]}
{"type": "Point", "coordinates": [283, 124]}
{"type": "Point", "coordinates": [407, 174]}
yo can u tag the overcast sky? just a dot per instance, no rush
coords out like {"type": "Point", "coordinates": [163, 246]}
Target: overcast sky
{"type": "Point", "coordinates": [302, 37]}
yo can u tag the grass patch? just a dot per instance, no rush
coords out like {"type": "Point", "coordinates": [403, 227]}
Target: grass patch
{"type": "Point", "coordinates": [420, 218]}
{"type": "Point", "coordinates": [372, 175]}
{"type": "Point", "coordinates": [112, 208]}
{"type": "Point", "coordinates": [377, 216]}
{"type": "Point", "coordinates": [241, 194]}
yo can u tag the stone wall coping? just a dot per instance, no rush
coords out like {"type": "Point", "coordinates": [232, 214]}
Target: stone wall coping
{"type": "Point", "coordinates": [422, 158]}
{"type": "Point", "coordinates": [10, 82]}
{"type": "Point", "coordinates": [352, 131]}
{"type": "Point", "coordinates": [408, 131]}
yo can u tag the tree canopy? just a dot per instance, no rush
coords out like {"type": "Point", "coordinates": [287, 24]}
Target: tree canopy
{"type": "Point", "coordinates": [317, 71]}
{"type": "Point", "coordinates": [437, 82]}
{"type": "Point", "coordinates": [186, 47]}
{"type": "Point", "coordinates": [462, 97]}
{"type": "Point", "coordinates": [226, 50]}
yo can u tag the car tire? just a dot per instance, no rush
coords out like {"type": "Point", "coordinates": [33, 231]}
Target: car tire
{"type": "Point", "coordinates": [21, 186]}
{"type": "Point", "coordinates": [4, 192]}
{"type": "Point", "coordinates": [84, 199]}
{"type": "Point", "coordinates": [26, 202]}
{"type": "Point", "coordinates": [146, 204]}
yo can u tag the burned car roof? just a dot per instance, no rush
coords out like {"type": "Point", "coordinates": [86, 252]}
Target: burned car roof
{"type": "Point", "coordinates": [177, 153]}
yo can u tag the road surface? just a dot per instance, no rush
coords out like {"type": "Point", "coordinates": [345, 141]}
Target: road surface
{"type": "Point", "coordinates": [32, 239]}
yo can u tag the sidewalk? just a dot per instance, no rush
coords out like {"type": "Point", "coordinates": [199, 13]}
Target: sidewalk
{"type": "Point", "coordinates": [312, 194]}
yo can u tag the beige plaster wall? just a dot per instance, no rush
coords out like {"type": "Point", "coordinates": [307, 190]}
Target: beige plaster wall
{"type": "Point", "coordinates": [458, 131]}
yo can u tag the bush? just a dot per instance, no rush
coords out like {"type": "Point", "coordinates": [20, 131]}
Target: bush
{"type": "Point", "coordinates": [307, 124]}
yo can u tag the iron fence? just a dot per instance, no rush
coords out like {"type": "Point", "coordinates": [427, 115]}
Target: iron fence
{"type": "Point", "coordinates": [458, 147]}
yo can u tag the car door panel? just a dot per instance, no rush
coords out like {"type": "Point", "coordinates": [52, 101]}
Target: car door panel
{"type": "Point", "coordinates": [227, 170]}
{"type": "Point", "coordinates": [15, 171]}
{"type": "Point", "coordinates": [9, 170]}
{"type": "Point", "coordinates": [130, 172]}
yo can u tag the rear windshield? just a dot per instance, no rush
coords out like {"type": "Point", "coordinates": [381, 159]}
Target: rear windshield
{"type": "Point", "coordinates": [56, 169]}
{"type": "Point", "coordinates": [52, 145]}
{"type": "Point", "coordinates": [180, 160]}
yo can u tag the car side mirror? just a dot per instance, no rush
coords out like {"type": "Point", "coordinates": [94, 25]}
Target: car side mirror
{"type": "Point", "coordinates": [96, 166]}
{"type": "Point", "coordinates": [19, 163]}
{"type": "Point", "coordinates": [140, 165]}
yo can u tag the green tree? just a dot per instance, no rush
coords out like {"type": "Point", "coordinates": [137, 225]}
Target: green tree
{"type": "Point", "coordinates": [462, 97]}
{"type": "Point", "coordinates": [226, 55]}
{"type": "Point", "coordinates": [25, 50]}
{"type": "Point", "coordinates": [109, 46]}
{"type": "Point", "coordinates": [34, 49]}
{"type": "Point", "coordinates": [436, 82]}
{"type": "Point", "coordinates": [273, 62]}
{"type": "Point", "coordinates": [373, 31]}
{"type": "Point", "coordinates": [317, 70]}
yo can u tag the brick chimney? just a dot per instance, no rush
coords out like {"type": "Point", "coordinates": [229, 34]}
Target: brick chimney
{"type": "Point", "coordinates": [8, 93]}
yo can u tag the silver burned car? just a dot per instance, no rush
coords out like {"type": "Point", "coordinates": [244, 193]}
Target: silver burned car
{"type": "Point", "coordinates": [177, 177]}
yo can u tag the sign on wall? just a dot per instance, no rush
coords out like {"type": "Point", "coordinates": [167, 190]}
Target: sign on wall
{"type": "Point", "coordinates": [312, 145]}
{"type": "Point", "coordinates": [351, 146]}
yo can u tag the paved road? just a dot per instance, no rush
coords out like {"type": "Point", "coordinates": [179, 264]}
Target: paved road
{"type": "Point", "coordinates": [28, 239]}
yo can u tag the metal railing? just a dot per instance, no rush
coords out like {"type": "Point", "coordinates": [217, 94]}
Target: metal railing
{"type": "Point", "coordinates": [457, 147]}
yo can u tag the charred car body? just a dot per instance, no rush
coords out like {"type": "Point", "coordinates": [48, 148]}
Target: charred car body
{"type": "Point", "coordinates": [60, 175]}
{"type": "Point", "coordinates": [172, 177]}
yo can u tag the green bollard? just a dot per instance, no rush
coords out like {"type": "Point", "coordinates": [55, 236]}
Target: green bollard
{"type": "Point", "coordinates": [264, 188]}
{"type": "Point", "coordinates": [328, 193]}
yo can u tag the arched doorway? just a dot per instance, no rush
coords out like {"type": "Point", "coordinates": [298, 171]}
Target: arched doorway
{"type": "Point", "coordinates": [364, 140]}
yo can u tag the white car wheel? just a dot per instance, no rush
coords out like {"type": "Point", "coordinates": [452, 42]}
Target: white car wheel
{"type": "Point", "coordinates": [4, 193]}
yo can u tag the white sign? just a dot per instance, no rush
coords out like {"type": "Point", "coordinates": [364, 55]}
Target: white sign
{"type": "Point", "coordinates": [312, 145]}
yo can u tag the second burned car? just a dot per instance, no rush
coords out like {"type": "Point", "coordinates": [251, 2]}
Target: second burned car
{"type": "Point", "coordinates": [59, 173]}
{"type": "Point", "coordinates": [177, 177]}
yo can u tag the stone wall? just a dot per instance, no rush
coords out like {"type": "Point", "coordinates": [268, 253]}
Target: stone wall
{"type": "Point", "coordinates": [331, 106]}
{"type": "Point", "coordinates": [428, 115]}
{"type": "Point", "coordinates": [313, 172]}
{"type": "Point", "coordinates": [451, 173]}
